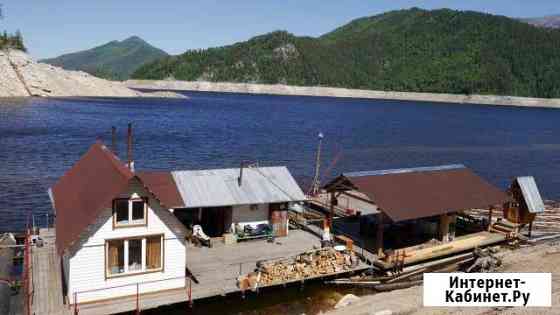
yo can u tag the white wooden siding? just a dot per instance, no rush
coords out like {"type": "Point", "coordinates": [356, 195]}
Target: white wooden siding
{"type": "Point", "coordinates": [87, 256]}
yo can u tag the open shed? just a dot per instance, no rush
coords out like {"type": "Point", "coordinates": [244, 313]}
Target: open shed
{"type": "Point", "coordinates": [419, 193]}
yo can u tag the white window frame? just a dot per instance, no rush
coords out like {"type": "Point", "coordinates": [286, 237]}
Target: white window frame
{"type": "Point", "coordinates": [143, 270]}
{"type": "Point", "coordinates": [131, 223]}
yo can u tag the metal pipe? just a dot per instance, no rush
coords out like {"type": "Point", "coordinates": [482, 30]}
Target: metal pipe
{"type": "Point", "coordinates": [129, 148]}
{"type": "Point", "coordinates": [240, 178]}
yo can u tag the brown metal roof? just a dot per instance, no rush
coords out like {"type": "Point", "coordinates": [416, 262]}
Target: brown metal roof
{"type": "Point", "coordinates": [163, 186]}
{"type": "Point", "coordinates": [89, 186]}
{"type": "Point", "coordinates": [407, 194]}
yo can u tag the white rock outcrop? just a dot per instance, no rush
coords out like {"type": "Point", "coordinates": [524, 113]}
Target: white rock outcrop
{"type": "Point", "coordinates": [22, 76]}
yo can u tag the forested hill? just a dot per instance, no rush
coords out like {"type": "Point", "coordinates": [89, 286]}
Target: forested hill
{"type": "Point", "coordinates": [442, 51]}
{"type": "Point", "coordinates": [114, 60]}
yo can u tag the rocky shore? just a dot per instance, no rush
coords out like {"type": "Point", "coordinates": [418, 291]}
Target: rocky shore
{"type": "Point", "coordinates": [279, 89]}
{"type": "Point", "coordinates": [22, 77]}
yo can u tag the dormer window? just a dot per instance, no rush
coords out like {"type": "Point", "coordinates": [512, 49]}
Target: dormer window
{"type": "Point", "coordinates": [129, 212]}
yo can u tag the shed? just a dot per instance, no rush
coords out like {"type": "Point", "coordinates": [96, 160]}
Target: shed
{"type": "Point", "coordinates": [219, 199]}
{"type": "Point", "coordinates": [526, 201]}
{"type": "Point", "coordinates": [422, 192]}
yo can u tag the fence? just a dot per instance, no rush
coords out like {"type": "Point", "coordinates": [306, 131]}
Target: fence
{"type": "Point", "coordinates": [137, 289]}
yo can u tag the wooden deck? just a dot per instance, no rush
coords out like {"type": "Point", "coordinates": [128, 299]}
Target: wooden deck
{"type": "Point", "coordinates": [46, 277]}
{"type": "Point", "coordinates": [216, 270]}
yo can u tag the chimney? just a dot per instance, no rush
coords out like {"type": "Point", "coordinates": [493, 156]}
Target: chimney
{"type": "Point", "coordinates": [240, 178]}
{"type": "Point", "coordinates": [129, 148]}
{"type": "Point", "coordinates": [114, 140]}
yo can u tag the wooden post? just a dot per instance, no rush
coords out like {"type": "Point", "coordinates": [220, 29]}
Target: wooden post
{"type": "Point", "coordinates": [75, 303]}
{"type": "Point", "coordinates": [490, 217]}
{"type": "Point", "coordinates": [190, 293]}
{"type": "Point", "coordinates": [530, 228]}
{"type": "Point", "coordinates": [444, 228]}
{"type": "Point", "coordinates": [379, 238]}
{"type": "Point", "coordinates": [137, 299]}
{"type": "Point", "coordinates": [331, 214]}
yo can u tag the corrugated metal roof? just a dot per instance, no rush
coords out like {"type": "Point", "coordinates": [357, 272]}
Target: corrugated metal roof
{"type": "Point", "coordinates": [531, 194]}
{"type": "Point", "coordinates": [405, 170]}
{"type": "Point", "coordinates": [220, 187]}
{"type": "Point", "coordinates": [405, 194]}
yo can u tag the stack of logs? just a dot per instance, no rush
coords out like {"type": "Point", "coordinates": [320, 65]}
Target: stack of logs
{"type": "Point", "coordinates": [322, 262]}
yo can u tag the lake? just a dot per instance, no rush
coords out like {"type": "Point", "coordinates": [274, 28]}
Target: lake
{"type": "Point", "coordinates": [41, 138]}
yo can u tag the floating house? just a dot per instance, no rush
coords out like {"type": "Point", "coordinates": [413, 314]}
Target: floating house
{"type": "Point", "coordinates": [122, 233]}
{"type": "Point", "coordinates": [415, 203]}
{"type": "Point", "coordinates": [112, 231]}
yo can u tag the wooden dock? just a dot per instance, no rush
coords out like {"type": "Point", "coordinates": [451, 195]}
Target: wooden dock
{"type": "Point", "coordinates": [216, 269]}
{"type": "Point", "coordinates": [46, 278]}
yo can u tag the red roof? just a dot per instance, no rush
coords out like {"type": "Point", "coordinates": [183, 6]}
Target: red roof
{"type": "Point", "coordinates": [163, 186]}
{"type": "Point", "coordinates": [407, 194]}
{"type": "Point", "coordinates": [88, 187]}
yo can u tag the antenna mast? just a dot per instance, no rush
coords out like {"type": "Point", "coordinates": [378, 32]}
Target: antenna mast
{"type": "Point", "coordinates": [315, 186]}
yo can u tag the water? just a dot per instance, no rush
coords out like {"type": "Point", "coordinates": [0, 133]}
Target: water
{"type": "Point", "coordinates": [41, 138]}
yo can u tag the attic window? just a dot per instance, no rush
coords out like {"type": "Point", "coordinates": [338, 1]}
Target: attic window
{"type": "Point", "coordinates": [129, 212]}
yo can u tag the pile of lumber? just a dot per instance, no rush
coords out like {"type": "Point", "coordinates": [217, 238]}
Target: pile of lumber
{"type": "Point", "coordinates": [548, 221]}
{"type": "Point", "coordinates": [323, 262]}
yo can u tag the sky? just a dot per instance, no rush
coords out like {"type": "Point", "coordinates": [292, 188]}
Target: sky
{"type": "Point", "coordinates": [54, 27]}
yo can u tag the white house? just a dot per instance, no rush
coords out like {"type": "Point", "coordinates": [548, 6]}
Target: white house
{"type": "Point", "coordinates": [118, 230]}
{"type": "Point", "coordinates": [113, 232]}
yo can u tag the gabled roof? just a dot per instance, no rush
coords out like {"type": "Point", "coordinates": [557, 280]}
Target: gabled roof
{"type": "Point", "coordinates": [405, 194]}
{"type": "Point", "coordinates": [88, 187]}
{"type": "Point", "coordinates": [162, 184]}
{"type": "Point", "coordinates": [220, 187]}
{"type": "Point", "coordinates": [531, 194]}
{"type": "Point", "coordinates": [99, 177]}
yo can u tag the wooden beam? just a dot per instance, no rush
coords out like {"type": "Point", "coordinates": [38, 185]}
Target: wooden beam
{"type": "Point", "coordinates": [490, 216]}
{"type": "Point", "coordinates": [331, 213]}
{"type": "Point", "coordinates": [379, 238]}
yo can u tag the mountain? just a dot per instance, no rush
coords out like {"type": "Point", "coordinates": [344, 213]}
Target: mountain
{"type": "Point", "coordinates": [114, 60]}
{"type": "Point", "coordinates": [551, 21]}
{"type": "Point", "coordinates": [440, 51]}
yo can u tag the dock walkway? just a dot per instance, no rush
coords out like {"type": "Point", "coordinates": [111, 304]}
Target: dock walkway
{"type": "Point", "coordinates": [46, 278]}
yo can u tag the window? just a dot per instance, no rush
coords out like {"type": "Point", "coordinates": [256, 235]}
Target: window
{"type": "Point", "coordinates": [121, 211]}
{"type": "Point", "coordinates": [115, 255]}
{"type": "Point", "coordinates": [137, 210]}
{"type": "Point", "coordinates": [153, 252]}
{"type": "Point", "coordinates": [129, 212]}
{"type": "Point", "coordinates": [134, 255]}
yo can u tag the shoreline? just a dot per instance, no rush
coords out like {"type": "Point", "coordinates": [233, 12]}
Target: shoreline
{"type": "Point", "coordinates": [280, 89]}
{"type": "Point", "coordinates": [22, 76]}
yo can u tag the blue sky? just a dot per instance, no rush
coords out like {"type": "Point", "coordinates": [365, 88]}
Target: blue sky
{"type": "Point", "coordinates": [54, 27]}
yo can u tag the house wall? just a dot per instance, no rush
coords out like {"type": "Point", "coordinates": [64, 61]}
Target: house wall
{"type": "Point", "coordinates": [244, 215]}
{"type": "Point", "coordinates": [87, 256]}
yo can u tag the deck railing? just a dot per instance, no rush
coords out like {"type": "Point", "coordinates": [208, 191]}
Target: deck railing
{"type": "Point", "coordinates": [137, 295]}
